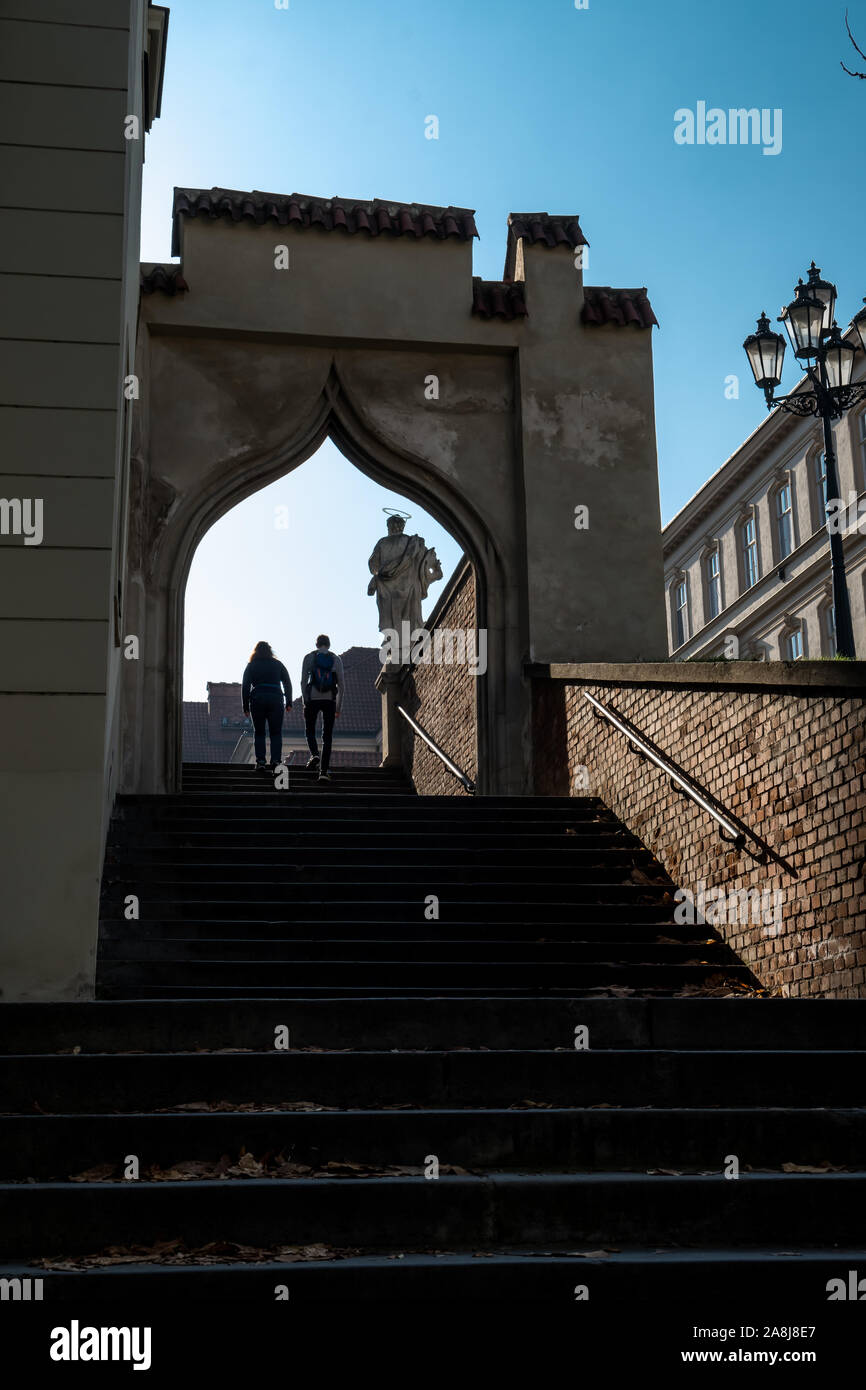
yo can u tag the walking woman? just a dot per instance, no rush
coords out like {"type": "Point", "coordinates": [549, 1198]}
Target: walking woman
{"type": "Point", "coordinates": [263, 699]}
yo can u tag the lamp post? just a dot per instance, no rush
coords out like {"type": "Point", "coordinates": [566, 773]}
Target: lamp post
{"type": "Point", "coordinates": [828, 360]}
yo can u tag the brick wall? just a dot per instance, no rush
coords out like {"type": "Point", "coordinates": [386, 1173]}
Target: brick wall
{"type": "Point", "coordinates": [442, 699]}
{"type": "Point", "coordinates": [789, 762]}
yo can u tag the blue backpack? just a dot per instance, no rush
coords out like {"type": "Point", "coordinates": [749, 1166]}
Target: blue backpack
{"type": "Point", "coordinates": [324, 677]}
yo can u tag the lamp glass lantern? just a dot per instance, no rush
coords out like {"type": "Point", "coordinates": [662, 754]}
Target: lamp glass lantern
{"type": "Point", "coordinates": [838, 359]}
{"type": "Point", "coordinates": [823, 290]}
{"type": "Point", "coordinates": [804, 319]}
{"type": "Point", "coordinates": [766, 353]}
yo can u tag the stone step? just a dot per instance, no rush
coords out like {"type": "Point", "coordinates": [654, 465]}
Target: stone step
{"type": "Point", "coordinates": [457, 808]}
{"type": "Point", "coordinates": [785, 1026]}
{"type": "Point", "coordinates": [430, 976]}
{"type": "Point", "coordinates": [329, 929]}
{"type": "Point", "coordinates": [477, 1213]}
{"type": "Point", "coordinates": [555, 863]}
{"type": "Point", "coordinates": [56, 1147]}
{"type": "Point", "coordinates": [349, 883]}
{"type": "Point", "coordinates": [772, 1280]}
{"type": "Point", "coordinates": [478, 1079]}
{"type": "Point", "coordinates": [131, 946]}
{"type": "Point", "coordinates": [280, 907]}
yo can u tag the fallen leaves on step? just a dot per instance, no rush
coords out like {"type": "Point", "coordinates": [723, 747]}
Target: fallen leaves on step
{"type": "Point", "coordinates": [825, 1166]}
{"type": "Point", "coordinates": [246, 1165]}
{"type": "Point", "coordinates": [98, 1174]}
{"type": "Point", "coordinates": [222, 1106]}
{"type": "Point", "coordinates": [177, 1252]}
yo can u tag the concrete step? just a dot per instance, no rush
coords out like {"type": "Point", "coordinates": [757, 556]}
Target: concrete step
{"type": "Point", "coordinates": [56, 1147]}
{"type": "Point", "coordinates": [132, 946]}
{"type": "Point", "coordinates": [790, 1026]}
{"type": "Point", "coordinates": [459, 808]}
{"type": "Point", "coordinates": [480, 1213]}
{"type": "Point", "coordinates": [330, 928]}
{"type": "Point", "coordinates": [430, 976]}
{"type": "Point", "coordinates": [448, 882]}
{"type": "Point", "coordinates": [769, 1279]}
{"type": "Point", "coordinates": [349, 1080]}
{"type": "Point", "coordinates": [339, 832]}
{"type": "Point", "coordinates": [577, 851]}
{"type": "Point", "coordinates": [279, 907]}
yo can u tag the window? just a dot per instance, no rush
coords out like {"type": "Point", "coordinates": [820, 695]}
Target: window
{"type": "Point", "coordinates": [861, 438]}
{"type": "Point", "coordinates": [749, 537]}
{"type": "Point", "coordinates": [828, 624]}
{"type": "Point", "coordinates": [713, 578]}
{"type": "Point", "coordinates": [681, 613]}
{"type": "Point", "coordinates": [784, 521]}
{"type": "Point", "coordinates": [794, 645]}
{"type": "Point", "coordinates": [821, 486]}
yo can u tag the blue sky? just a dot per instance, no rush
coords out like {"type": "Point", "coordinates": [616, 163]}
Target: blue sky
{"type": "Point", "coordinates": [541, 107]}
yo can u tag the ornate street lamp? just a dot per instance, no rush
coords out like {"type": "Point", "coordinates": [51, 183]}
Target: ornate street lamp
{"type": "Point", "coordinates": [828, 360]}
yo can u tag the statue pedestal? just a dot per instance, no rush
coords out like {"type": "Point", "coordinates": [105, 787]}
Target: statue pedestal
{"type": "Point", "coordinates": [390, 682]}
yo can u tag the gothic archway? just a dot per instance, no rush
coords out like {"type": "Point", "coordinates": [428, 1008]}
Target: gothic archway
{"type": "Point", "coordinates": [169, 529]}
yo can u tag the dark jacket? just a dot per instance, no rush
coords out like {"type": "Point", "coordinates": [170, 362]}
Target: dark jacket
{"type": "Point", "coordinates": [268, 672]}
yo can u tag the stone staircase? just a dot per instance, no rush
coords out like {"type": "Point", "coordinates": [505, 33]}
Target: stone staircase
{"type": "Point", "coordinates": [288, 1038]}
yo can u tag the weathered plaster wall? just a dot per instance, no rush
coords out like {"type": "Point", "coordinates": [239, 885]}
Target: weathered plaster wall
{"type": "Point", "coordinates": [251, 368]}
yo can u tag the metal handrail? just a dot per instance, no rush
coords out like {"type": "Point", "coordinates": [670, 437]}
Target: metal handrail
{"type": "Point", "coordinates": [738, 834]}
{"type": "Point", "coordinates": [466, 782]}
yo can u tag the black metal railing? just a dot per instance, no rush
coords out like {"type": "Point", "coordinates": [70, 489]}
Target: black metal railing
{"type": "Point", "coordinates": [731, 829]}
{"type": "Point", "coordinates": [465, 782]}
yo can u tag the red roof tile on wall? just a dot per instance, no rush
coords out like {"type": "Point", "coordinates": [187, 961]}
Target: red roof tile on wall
{"type": "Point", "coordinates": [341, 214]}
{"type": "Point", "coordinates": [534, 227]}
{"type": "Point", "coordinates": [602, 304]}
{"type": "Point", "coordinates": [498, 298]}
{"type": "Point", "coordinates": [166, 278]}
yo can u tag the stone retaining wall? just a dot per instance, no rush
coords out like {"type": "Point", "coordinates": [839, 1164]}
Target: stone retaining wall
{"type": "Point", "coordinates": [783, 747]}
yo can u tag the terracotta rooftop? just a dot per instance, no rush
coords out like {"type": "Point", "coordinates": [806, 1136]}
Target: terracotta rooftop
{"type": "Point", "coordinates": [498, 298]}
{"type": "Point", "coordinates": [349, 215]}
{"type": "Point", "coordinates": [540, 229]}
{"type": "Point", "coordinates": [602, 304]}
{"type": "Point", "coordinates": [163, 277]}
{"type": "Point", "coordinates": [563, 230]}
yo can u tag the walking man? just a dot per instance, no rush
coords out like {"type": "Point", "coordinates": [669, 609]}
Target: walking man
{"type": "Point", "coordinates": [322, 685]}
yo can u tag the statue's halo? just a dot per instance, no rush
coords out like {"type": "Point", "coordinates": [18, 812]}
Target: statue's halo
{"type": "Point", "coordinates": [394, 511]}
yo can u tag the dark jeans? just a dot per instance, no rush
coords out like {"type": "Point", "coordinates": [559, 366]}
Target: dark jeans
{"type": "Point", "coordinates": [328, 711]}
{"type": "Point", "coordinates": [266, 708]}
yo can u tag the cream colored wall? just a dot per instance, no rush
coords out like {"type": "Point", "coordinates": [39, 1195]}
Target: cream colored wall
{"type": "Point", "coordinates": [69, 184]}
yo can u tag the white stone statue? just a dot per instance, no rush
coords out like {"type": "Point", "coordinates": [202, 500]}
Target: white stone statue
{"type": "Point", "coordinates": [403, 569]}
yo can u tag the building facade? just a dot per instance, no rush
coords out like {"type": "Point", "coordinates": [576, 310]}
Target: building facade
{"type": "Point", "coordinates": [747, 560]}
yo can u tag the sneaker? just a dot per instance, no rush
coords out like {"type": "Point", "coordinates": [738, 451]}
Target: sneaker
{"type": "Point", "coordinates": [313, 762]}
{"type": "Point", "coordinates": [324, 776]}
{"type": "Point", "coordinates": [261, 766]}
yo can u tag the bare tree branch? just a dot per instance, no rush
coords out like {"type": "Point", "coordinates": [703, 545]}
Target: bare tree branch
{"type": "Point", "coordinates": [861, 75]}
